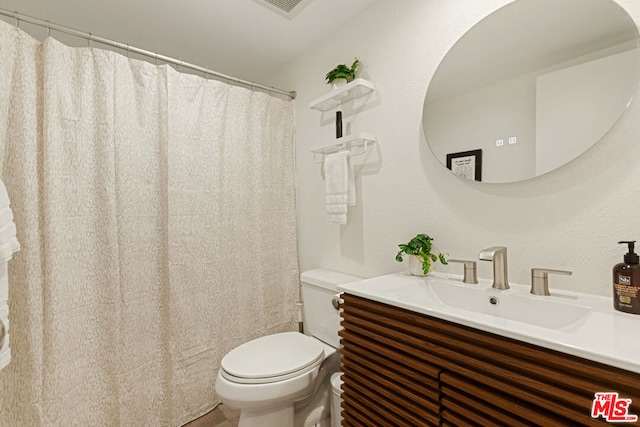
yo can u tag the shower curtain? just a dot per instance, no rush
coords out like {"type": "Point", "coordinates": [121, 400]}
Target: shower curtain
{"type": "Point", "coordinates": [156, 216]}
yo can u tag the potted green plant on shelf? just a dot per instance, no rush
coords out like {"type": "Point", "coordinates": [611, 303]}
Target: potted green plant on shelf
{"type": "Point", "coordinates": [342, 74]}
{"type": "Point", "coordinates": [419, 249]}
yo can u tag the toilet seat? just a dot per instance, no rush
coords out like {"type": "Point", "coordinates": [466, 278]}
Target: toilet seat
{"type": "Point", "coordinates": [272, 358]}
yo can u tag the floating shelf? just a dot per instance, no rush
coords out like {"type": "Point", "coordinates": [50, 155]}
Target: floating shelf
{"type": "Point", "coordinates": [354, 89]}
{"type": "Point", "coordinates": [352, 143]}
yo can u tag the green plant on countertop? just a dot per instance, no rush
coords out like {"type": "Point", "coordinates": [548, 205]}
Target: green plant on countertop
{"type": "Point", "coordinates": [420, 246]}
{"type": "Point", "coordinates": [343, 72]}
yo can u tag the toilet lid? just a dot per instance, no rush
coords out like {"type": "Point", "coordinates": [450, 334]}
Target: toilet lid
{"type": "Point", "coordinates": [272, 358]}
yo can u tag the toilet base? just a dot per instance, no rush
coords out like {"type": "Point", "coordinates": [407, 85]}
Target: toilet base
{"type": "Point", "coordinates": [301, 401]}
{"type": "Point", "coordinates": [268, 417]}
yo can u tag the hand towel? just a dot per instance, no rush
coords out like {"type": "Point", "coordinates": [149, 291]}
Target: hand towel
{"type": "Point", "coordinates": [8, 241]}
{"type": "Point", "coordinates": [8, 245]}
{"type": "Point", "coordinates": [339, 186]}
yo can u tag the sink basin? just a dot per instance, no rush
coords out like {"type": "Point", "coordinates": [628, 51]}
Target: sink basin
{"type": "Point", "coordinates": [507, 304]}
{"type": "Point", "coordinates": [574, 323]}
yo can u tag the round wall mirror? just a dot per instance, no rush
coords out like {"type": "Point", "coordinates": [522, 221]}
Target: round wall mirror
{"type": "Point", "coordinates": [531, 87]}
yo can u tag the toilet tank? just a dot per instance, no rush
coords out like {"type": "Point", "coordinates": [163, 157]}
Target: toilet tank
{"type": "Point", "coordinates": [321, 319]}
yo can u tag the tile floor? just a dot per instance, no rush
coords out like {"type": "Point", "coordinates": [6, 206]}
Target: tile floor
{"type": "Point", "coordinates": [221, 416]}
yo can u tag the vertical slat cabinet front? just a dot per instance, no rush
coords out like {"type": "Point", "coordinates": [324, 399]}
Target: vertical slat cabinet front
{"type": "Point", "coordinates": [388, 378]}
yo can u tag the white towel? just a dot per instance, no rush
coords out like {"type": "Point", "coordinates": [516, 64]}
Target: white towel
{"type": "Point", "coordinates": [8, 245]}
{"type": "Point", "coordinates": [339, 185]}
{"type": "Point", "coordinates": [8, 241]}
{"type": "Point", "coordinates": [5, 350]}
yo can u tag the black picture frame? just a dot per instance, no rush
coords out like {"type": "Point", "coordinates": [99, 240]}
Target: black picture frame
{"type": "Point", "coordinates": [467, 164]}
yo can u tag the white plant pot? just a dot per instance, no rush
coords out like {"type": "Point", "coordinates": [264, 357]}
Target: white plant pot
{"type": "Point", "coordinates": [415, 265]}
{"type": "Point", "coordinates": [338, 83]}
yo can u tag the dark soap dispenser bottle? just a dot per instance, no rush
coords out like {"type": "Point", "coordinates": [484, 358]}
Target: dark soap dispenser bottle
{"type": "Point", "coordinates": [626, 282]}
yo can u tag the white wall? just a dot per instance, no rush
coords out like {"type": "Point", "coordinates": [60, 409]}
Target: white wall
{"type": "Point", "coordinates": [568, 219]}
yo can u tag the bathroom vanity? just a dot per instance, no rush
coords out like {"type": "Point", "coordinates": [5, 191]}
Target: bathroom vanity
{"type": "Point", "coordinates": [411, 356]}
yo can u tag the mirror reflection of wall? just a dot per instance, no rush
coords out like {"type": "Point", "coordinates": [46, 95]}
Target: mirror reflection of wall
{"type": "Point", "coordinates": [534, 85]}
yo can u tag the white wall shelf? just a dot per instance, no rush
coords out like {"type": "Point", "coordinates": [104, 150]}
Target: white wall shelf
{"type": "Point", "coordinates": [354, 89]}
{"type": "Point", "coordinates": [357, 144]}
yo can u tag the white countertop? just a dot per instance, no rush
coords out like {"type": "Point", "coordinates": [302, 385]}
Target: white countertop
{"type": "Point", "coordinates": [604, 335]}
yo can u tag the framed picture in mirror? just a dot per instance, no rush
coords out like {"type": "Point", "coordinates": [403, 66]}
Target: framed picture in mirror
{"type": "Point", "coordinates": [467, 164]}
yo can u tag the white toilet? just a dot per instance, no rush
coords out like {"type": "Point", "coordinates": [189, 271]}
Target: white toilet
{"type": "Point", "coordinates": [283, 379]}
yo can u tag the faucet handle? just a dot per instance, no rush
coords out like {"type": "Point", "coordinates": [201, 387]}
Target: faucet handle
{"type": "Point", "coordinates": [470, 274]}
{"type": "Point", "coordinates": [540, 279]}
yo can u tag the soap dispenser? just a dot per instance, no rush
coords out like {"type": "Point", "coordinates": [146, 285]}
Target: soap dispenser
{"type": "Point", "coordinates": [626, 282]}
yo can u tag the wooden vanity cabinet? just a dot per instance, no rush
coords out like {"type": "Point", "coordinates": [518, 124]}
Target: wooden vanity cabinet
{"type": "Point", "coordinates": [407, 369]}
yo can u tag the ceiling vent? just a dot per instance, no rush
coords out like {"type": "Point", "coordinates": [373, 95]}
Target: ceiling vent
{"type": "Point", "coordinates": [287, 8]}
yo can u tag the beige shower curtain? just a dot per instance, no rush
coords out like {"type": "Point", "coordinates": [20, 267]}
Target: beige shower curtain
{"type": "Point", "coordinates": [156, 216]}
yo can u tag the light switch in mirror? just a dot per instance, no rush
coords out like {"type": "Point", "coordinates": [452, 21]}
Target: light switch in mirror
{"type": "Point", "coordinates": [558, 74]}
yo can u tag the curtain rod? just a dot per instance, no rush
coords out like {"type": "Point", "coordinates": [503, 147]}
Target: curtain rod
{"type": "Point", "coordinates": [91, 38]}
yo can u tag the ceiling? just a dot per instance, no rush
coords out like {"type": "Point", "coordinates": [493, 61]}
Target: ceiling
{"type": "Point", "coordinates": [236, 37]}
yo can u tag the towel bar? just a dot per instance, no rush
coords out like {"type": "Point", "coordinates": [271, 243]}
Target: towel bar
{"type": "Point", "coordinates": [357, 144]}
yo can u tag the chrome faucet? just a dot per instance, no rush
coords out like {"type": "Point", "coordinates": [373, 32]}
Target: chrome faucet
{"type": "Point", "coordinates": [497, 254]}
